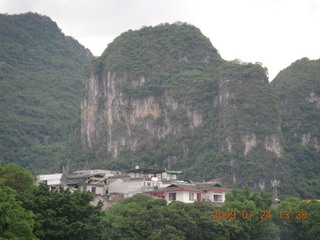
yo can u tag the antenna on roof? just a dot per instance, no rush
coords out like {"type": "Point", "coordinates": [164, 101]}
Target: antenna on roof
{"type": "Point", "coordinates": [275, 184]}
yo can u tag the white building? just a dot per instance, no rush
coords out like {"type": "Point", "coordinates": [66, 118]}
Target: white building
{"type": "Point", "coordinates": [188, 193]}
{"type": "Point", "coordinates": [112, 186]}
{"type": "Point", "coordinates": [140, 180]}
{"type": "Point", "coordinates": [52, 180]}
{"type": "Point", "coordinates": [87, 180]}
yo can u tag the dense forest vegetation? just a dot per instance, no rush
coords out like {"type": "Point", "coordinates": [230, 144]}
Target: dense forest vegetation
{"type": "Point", "coordinates": [242, 138]}
{"type": "Point", "coordinates": [298, 88]}
{"type": "Point", "coordinates": [41, 78]}
{"type": "Point", "coordinates": [177, 60]}
{"type": "Point", "coordinates": [42, 75]}
{"type": "Point", "coordinates": [33, 212]}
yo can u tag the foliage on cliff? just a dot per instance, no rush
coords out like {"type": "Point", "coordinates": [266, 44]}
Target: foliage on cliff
{"type": "Point", "coordinates": [210, 109]}
{"type": "Point", "coordinates": [237, 137]}
{"type": "Point", "coordinates": [175, 57]}
{"type": "Point", "coordinates": [251, 131]}
{"type": "Point", "coordinates": [41, 78]}
{"type": "Point", "coordinates": [298, 88]}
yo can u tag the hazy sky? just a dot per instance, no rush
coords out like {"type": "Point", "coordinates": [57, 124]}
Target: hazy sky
{"type": "Point", "coordinates": [273, 32]}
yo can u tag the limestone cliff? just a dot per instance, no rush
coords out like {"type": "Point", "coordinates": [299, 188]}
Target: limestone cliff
{"type": "Point", "coordinates": [119, 122]}
{"type": "Point", "coordinates": [298, 88]}
{"type": "Point", "coordinates": [164, 97]}
{"type": "Point", "coordinates": [249, 122]}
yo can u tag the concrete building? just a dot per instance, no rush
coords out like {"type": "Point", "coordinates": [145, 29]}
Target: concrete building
{"type": "Point", "coordinates": [191, 192]}
{"type": "Point", "coordinates": [113, 186]}
{"type": "Point", "coordinates": [52, 180]}
{"type": "Point", "coordinates": [94, 181]}
{"type": "Point", "coordinates": [140, 180]}
{"type": "Point", "coordinates": [108, 173]}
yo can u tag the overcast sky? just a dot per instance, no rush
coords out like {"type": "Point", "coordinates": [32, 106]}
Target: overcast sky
{"type": "Point", "coordinates": [273, 32]}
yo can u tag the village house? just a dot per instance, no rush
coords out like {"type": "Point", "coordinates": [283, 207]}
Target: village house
{"type": "Point", "coordinates": [94, 181]}
{"type": "Point", "coordinates": [211, 192]}
{"type": "Point", "coordinates": [140, 180]}
{"type": "Point", "coordinates": [113, 186]}
{"type": "Point", "coordinates": [52, 180]}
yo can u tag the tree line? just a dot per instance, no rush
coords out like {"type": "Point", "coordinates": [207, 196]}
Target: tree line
{"type": "Point", "coordinates": [34, 212]}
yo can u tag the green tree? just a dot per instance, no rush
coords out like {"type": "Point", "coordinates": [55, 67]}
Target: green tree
{"type": "Point", "coordinates": [17, 177]}
{"type": "Point", "coordinates": [258, 226]}
{"type": "Point", "coordinates": [141, 217]}
{"type": "Point", "coordinates": [299, 219]}
{"type": "Point", "coordinates": [15, 221]}
{"type": "Point", "coordinates": [64, 215]}
{"type": "Point", "coordinates": [311, 225]}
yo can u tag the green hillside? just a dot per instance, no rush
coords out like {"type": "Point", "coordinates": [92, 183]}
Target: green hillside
{"type": "Point", "coordinates": [163, 97]}
{"type": "Point", "coordinates": [41, 78]}
{"type": "Point", "coordinates": [298, 87]}
{"type": "Point", "coordinates": [158, 97]}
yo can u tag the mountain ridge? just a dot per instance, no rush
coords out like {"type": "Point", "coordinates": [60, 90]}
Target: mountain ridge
{"type": "Point", "coordinates": [41, 81]}
{"type": "Point", "coordinates": [165, 110]}
{"type": "Point", "coordinates": [157, 97]}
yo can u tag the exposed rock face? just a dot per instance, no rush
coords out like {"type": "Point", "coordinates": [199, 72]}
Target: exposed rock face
{"type": "Point", "coordinates": [242, 112]}
{"type": "Point", "coordinates": [314, 98]}
{"type": "Point", "coordinates": [123, 123]}
{"type": "Point", "coordinates": [273, 145]}
{"type": "Point", "coordinates": [250, 142]}
{"type": "Point", "coordinates": [188, 106]}
{"type": "Point", "coordinates": [249, 121]}
{"type": "Point", "coordinates": [298, 87]}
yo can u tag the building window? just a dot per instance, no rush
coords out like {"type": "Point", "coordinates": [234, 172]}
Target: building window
{"type": "Point", "coordinates": [84, 188]}
{"type": "Point", "coordinates": [191, 196]}
{"type": "Point", "coordinates": [172, 196]}
{"type": "Point", "coordinates": [198, 197]}
{"type": "Point", "coordinates": [217, 198]}
{"type": "Point", "coordinates": [93, 189]}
